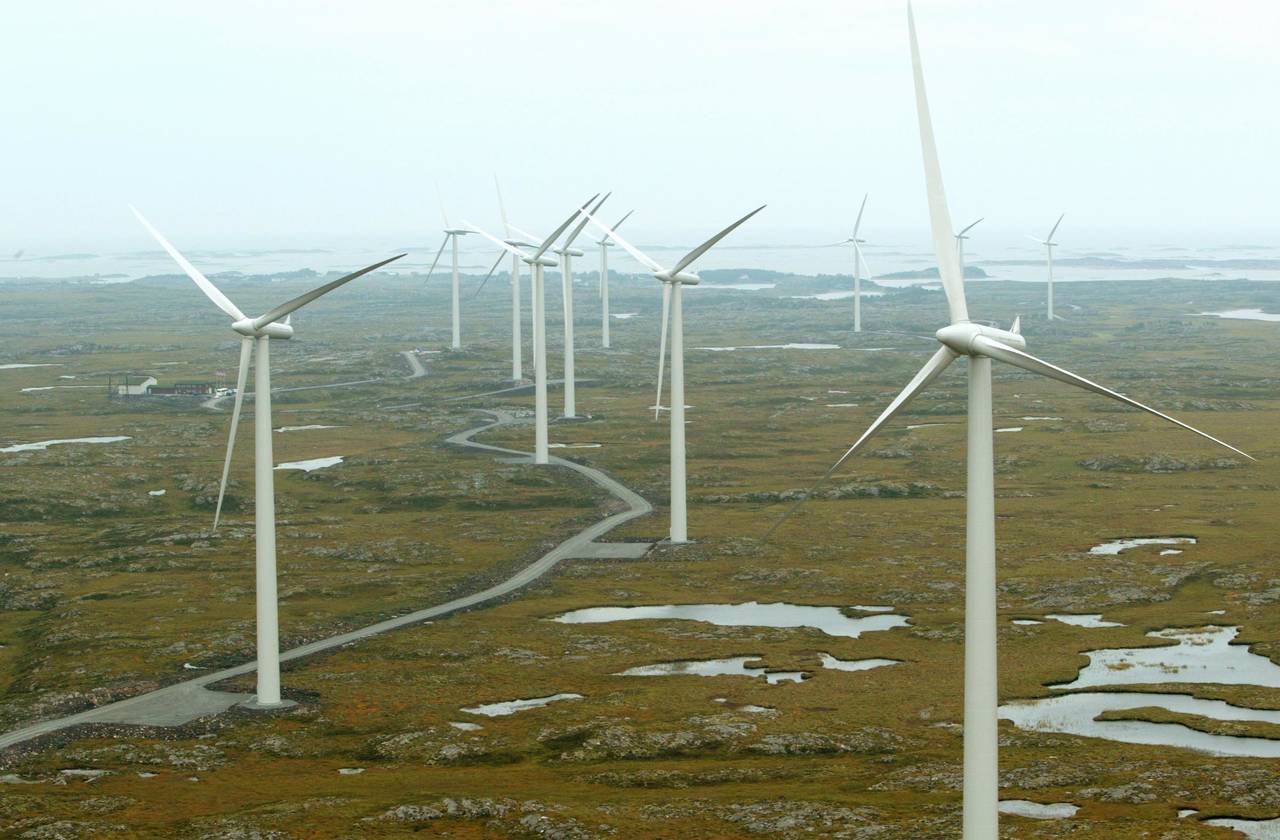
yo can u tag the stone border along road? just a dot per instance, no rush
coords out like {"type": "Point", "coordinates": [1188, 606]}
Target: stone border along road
{"type": "Point", "coordinates": [183, 702]}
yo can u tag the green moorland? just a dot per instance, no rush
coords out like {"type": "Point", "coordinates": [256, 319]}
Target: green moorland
{"type": "Point", "coordinates": [107, 590]}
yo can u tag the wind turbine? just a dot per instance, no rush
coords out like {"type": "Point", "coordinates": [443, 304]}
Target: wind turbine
{"type": "Point", "coordinates": [451, 235]}
{"type": "Point", "coordinates": [258, 331]}
{"type": "Point", "coordinates": [537, 260]}
{"type": "Point", "coordinates": [960, 238]}
{"type": "Point", "coordinates": [858, 264]}
{"type": "Point", "coordinates": [1049, 245]}
{"type": "Point", "coordinates": [567, 252]}
{"type": "Point", "coordinates": [673, 280]}
{"type": "Point", "coordinates": [980, 344]}
{"type": "Point", "coordinates": [604, 243]}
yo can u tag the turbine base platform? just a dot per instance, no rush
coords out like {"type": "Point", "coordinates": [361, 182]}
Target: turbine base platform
{"type": "Point", "coordinates": [253, 705]}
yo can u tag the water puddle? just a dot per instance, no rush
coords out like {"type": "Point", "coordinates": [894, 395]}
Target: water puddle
{"type": "Point", "coordinates": [1075, 714]}
{"type": "Point", "coordinates": [1090, 620]}
{"type": "Point", "coordinates": [305, 428]}
{"type": "Point", "coordinates": [1040, 418]}
{"type": "Point", "coordinates": [313, 464]}
{"type": "Point", "coordinates": [16, 365]}
{"type": "Point", "coordinates": [872, 608]}
{"type": "Point", "coordinates": [510, 707]}
{"type": "Point", "coordinates": [1125, 543]}
{"type": "Point", "coordinates": [1037, 810]}
{"type": "Point", "coordinates": [1201, 655]}
{"type": "Point", "coordinates": [156, 492]}
{"type": "Point", "coordinates": [45, 444]}
{"type": "Point", "coordinates": [574, 445]}
{"type": "Point", "coordinates": [831, 663]}
{"type": "Point", "coordinates": [842, 405]}
{"type": "Point", "coordinates": [1253, 829]}
{"type": "Point", "coordinates": [464, 726]}
{"type": "Point", "coordinates": [749, 708]}
{"type": "Point", "coordinates": [1026, 622]}
{"type": "Point", "coordinates": [735, 666]}
{"type": "Point", "coordinates": [1010, 429]}
{"type": "Point", "coordinates": [350, 771]}
{"type": "Point", "coordinates": [624, 316]}
{"type": "Point", "coordinates": [829, 620]}
{"type": "Point", "coordinates": [925, 426]}
{"type": "Point", "coordinates": [1245, 315]}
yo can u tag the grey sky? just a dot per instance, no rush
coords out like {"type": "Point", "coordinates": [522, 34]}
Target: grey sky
{"type": "Point", "coordinates": [242, 123]}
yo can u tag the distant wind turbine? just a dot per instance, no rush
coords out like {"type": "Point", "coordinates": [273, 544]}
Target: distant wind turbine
{"type": "Point", "coordinates": [537, 259]}
{"type": "Point", "coordinates": [960, 240]}
{"type": "Point", "coordinates": [604, 242]}
{"type": "Point", "coordinates": [1049, 245]}
{"type": "Point", "coordinates": [567, 252]}
{"type": "Point", "coordinates": [451, 235]}
{"type": "Point", "coordinates": [258, 331]}
{"type": "Point", "coordinates": [673, 280]}
{"type": "Point", "coordinates": [980, 344]}
{"type": "Point", "coordinates": [858, 264]}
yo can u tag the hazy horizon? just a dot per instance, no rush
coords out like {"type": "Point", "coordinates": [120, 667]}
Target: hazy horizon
{"type": "Point", "coordinates": [297, 125]}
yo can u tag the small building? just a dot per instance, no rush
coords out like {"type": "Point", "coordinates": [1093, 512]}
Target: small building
{"type": "Point", "coordinates": [136, 386]}
{"type": "Point", "coordinates": [181, 389]}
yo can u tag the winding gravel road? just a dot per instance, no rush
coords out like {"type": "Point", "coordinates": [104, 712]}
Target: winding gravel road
{"type": "Point", "coordinates": [183, 702]}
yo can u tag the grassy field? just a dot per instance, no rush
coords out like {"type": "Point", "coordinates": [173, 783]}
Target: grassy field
{"type": "Point", "coordinates": [108, 590]}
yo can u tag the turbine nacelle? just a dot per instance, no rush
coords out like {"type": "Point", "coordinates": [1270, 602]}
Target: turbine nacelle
{"type": "Point", "coordinates": [275, 329]}
{"type": "Point", "coordinates": [961, 337]}
{"type": "Point", "coordinates": [687, 278]}
{"type": "Point", "coordinates": [456, 232]}
{"type": "Point", "coordinates": [571, 252]}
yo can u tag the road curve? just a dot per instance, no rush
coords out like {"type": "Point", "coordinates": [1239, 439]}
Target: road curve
{"type": "Point", "coordinates": [185, 701]}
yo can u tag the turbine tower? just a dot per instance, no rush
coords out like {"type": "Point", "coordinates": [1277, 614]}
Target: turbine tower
{"type": "Point", "coordinates": [858, 264]}
{"type": "Point", "coordinates": [604, 242]}
{"type": "Point", "coordinates": [960, 239]}
{"type": "Point", "coordinates": [567, 252]}
{"type": "Point", "coordinates": [537, 260]}
{"type": "Point", "coordinates": [258, 332]}
{"type": "Point", "coordinates": [1049, 245]}
{"type": "Point", "coordinates": [451, 235]}
{"type": "Point", "coordinates": [981, 344]}
{"type": "Point", "coordinates": [673, 280]}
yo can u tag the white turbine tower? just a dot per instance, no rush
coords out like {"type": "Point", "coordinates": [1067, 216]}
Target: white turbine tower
{"type": "Point", "coordinates": [604, 242]}
{"type": "Point", "coordinates": [1049, 245]}
{"type": "Point", "coordinates": [960, 240]}
{"type": "Point", "coordinates": [258, 331]}
{"type": "Point", "coordinates": [517, 350]}
{"type": "Point", "coordinates": [673, 281]}
{"type": "Point", "coordinates": [537, 260]}
{"type": "Point", "coordinates": [567, 252]}
{"type": "Point", "coordinates": [451, 235]}
{"type": "Point", "coordinates": [858, 264]}
{"type": "Point", "coordinates": [980, 344]}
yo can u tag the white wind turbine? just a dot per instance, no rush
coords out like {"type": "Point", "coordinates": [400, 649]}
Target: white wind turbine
{"type": "Point", "coordinates": [960, 240]}
{"type": "Point", "coordinates": [1049, 245]}
{"type": "Point", "coordinates": [537, 260]}
{"type": "Point", "coordinates": [451, 235]}
{"type": "Point", "coordinates": [980, 344]}
{"type": "Point", "coordinates": [604, 242]}
{"type": "Point", "coordinates": [858, 264]}
{"type": "Point", "coordinates": [258, 331]}
{"type": "Point", "coordinates": [567, 252]}
{"type": "Point", "coordinates": [673, 280]}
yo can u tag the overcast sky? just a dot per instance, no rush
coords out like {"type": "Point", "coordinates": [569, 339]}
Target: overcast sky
{"type": "Point", "coordinates": [269, 121]}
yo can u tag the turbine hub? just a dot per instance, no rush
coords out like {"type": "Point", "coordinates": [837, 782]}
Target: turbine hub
{"type": "Point", "coordinates": [688, 278]}
{"type": "Point", "coordinates": [275, 329]}
{"type": "Point", "coordinates": [960, 336]}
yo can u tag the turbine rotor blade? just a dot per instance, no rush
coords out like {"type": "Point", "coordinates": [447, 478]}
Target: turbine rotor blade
{"type": "Point", "coordinates": [502, 207]}
{"type": "Point", "coordinates": [662, 346]}
{"type": "Point", "coordinates": [246, 351]}
{"type": "Point", "coordinates": [858, 253]}
{"type": "Point", "coordinates": [635, 252]}
{"type": "Point", "coordinates": [931, 370]}
{"type": "Point", "coordinates": [302, 300]}
{"type": "Point", "coordinates": [1016, 329]}
{"type": "Point", "coordinates": [858, 223]}
{"type": "Point", "coordinates": [1054, 229]}
{"type": "Point", "coordinates": [939, 214]}
{"type": "Point", "coordinates": [437, 259]}
{"type": "Point", "coordinates": [618, 223]}
{"type": "Point", "coordinates": [971, 226]}
{"type": "Point", "coordinates": [506, 246]}
{"type": "Point", "coordinates": [443, 215]}
{"type": "Point", "coordinates": [211, 291]}
{"type": "Point", "coordinates": [577, 230]}
{"type": "Point", "coordinates": [551, 240]}
{"type": "Point", "coordinates": [688, 258]}
{"type": "Point", "coordinates": [501, 256]}
{"type": "Point", "coordinates": [1019, 359]}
